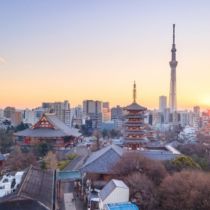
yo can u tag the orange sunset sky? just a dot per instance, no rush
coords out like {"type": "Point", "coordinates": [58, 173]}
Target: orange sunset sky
{"type": "Point", "coordinates": [75, 50]}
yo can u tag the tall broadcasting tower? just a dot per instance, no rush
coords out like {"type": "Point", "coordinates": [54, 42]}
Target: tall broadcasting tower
{"type": "Point", "coordinates": [173, 63]}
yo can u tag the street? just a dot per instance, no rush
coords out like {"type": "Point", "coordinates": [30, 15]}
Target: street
{"type": "Point", "coordinates": [67, 187]}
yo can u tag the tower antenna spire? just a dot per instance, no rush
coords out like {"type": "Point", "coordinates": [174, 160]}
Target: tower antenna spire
{"type": "Point", "coordinates": [173, 33]}
{"type": "Point", "coordinates": [134, 92]}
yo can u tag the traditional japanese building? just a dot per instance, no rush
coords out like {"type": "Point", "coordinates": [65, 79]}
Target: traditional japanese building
{"type": "Point", "coordinates": [48, 129]}
{"type": "Point", "coordinates": [36, 191]}
{"type": "Point", "coordinates": [134, 127]}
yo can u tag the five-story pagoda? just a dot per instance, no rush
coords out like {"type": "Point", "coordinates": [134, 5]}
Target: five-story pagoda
{"type": "Point", "coordinates": [134, 127]}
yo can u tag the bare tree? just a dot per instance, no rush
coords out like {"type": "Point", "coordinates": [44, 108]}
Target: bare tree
{"type": "Point", "coordinates": [51, 160]}
{"type": "Point", "coordinates": [185, 190]}
{"type": "Point", "coordinates": [19, 160]}
{"type": "Point", "coordinates": [97, 135]}
{"type": "Point", "coordinates": [134, 162]}
{"type": "Point", "coordinates": [142, 191]}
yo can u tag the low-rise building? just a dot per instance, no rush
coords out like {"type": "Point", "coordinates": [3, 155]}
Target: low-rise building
{"type": "Point", "coordinates": [116, 191]}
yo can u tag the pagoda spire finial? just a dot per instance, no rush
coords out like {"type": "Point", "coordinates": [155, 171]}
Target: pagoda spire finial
{"type": "Point", "coordinates": [134, 92]}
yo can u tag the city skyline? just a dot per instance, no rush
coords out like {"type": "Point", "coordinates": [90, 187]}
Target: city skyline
{"type": "Point", "coordinates": [95, 50]}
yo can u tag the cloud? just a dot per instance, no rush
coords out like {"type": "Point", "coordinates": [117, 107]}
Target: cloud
{"type": "Point", "coordinates": [2, 60]}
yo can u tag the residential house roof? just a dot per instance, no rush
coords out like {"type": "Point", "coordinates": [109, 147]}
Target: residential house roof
{"type": "Point", "coordinates": [110, 187]}
{"type": "Point", "coordinates": [122, 206]}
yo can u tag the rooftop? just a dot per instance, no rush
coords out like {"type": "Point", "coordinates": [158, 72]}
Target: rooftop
{"type": "Point", "coordinates": [122, 206]}
{"type": "Point", "coordinates": [37, 185]}
{"type": "Point", "coordinates": [21, 205]}
{"type": "Point", "coordinates": [49, 126]}
{"type": "Point", "coordinates": [108, 188]}
{"type": "Point", "coordinates": [103, 160]}
{"type": "Point", "coordinates": [2, 157]}
{"type": "Point", "coordinates": [135, 107]}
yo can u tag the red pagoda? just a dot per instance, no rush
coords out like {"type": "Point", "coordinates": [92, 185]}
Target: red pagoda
{"type": "Point", "coordinates": [134, 127]}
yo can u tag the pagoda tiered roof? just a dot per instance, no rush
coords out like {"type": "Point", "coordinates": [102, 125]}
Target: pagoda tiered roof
{"type": "Point", "coordinates": [135, 107]}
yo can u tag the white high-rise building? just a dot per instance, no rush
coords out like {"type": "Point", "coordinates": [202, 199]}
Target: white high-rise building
{"type": "Point", "coordinates": [30, 117]}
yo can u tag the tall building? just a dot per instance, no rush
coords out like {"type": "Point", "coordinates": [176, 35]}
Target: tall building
{"type": "Point", "coordinates": [106, 114]}
{"type": "Point", "coordinates": [173, 64]}
{"type": "Point", "coordinates": [16, 118]}
{"type": "Point", "coordinates": [1, 113]}
{"type": "Point", "coordinates": [134, 126]}
{"type": "Point", "coordinates": [105, 105]}
{"type": "Point", "coordinates": [162, 103]}
{"type": "Point", "coordinates": [196, 117]}
{"type": "Point", "coordinates": [61, 109]}
{"type": "Point", "coordinates": [156, 118]}
{"type": "Point", "coordinates": [77, 116]}
{"type": "Point", "coordinates": [117, 113]}
{"type": "Point", "coordinates": [29, 116]}
{"type": "Point", "coordinates": [92, 110]}
{"type": "Point", "coordinates": [8, 111]}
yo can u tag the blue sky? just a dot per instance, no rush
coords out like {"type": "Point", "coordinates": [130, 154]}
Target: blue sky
{"type": "Point", "coordinates": [56, 50]}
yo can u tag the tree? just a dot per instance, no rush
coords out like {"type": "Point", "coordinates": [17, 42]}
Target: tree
{"type": "Point", "coordinates": [134, 162]}
{"type": "Point", "coordinates": [185, 190]}
{"type": "Point", "coordinates": [114, 133]}
{"type": "Point", "coordinates": [50, 161]}
{"type": "Point", "coordinates": [199, 152]}
{"type": "Point", "coordinates": [21, 126]}
{"type": "Point", "coordinates": [180, 163]}
{"type": "Point", "coordinates": [142, 191]}
{"type": "Point", "coordinates": [18, 160]}
{"type": "Point", "coordinates": [97, 135]}
{"type": "Point", "coordinates": [6, 141]}
{"type": "Point", "coordinates": [42, 149]}
{"type": "Point", "coordinates": [105, 133]}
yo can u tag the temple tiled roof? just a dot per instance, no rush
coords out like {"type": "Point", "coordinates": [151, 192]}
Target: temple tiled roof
{"type": "Point", "coordinates": [22, 205]}
{"type": "Point", "coordinates": [37, 187]}
{"type": "Point", "coordinates": [59, 129]}
{"type": "Point", "coordinates": [103, 160]}
{"type": "Point", "coordinates": [159, 155]}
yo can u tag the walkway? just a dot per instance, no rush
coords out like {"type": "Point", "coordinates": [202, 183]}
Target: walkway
{"type": "Point", "coordinates": [69, 201]}
{"type": "Point", "coordinates": [67, 187]}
